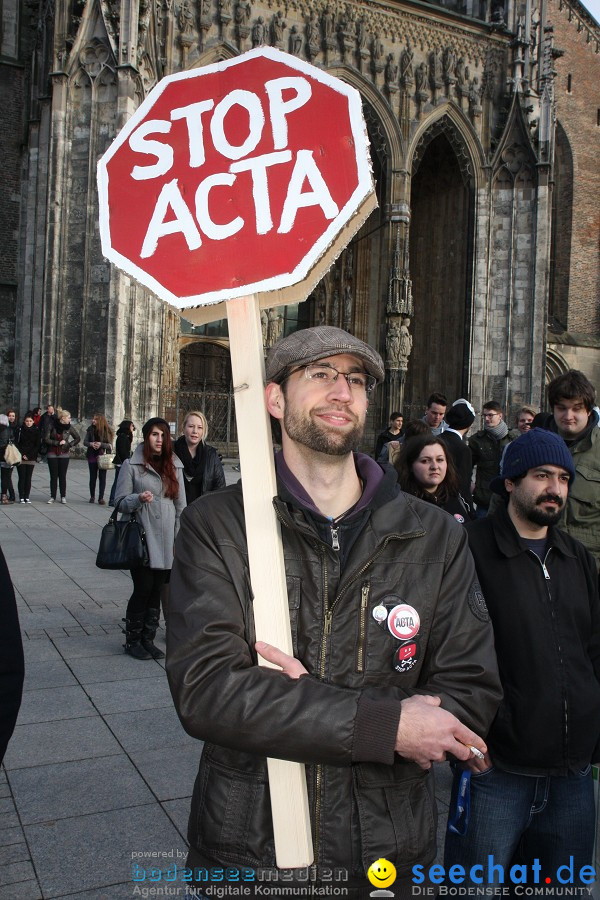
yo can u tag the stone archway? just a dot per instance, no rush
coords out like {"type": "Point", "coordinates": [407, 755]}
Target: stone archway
{"type": "Point", "coordinates": [441, 249]}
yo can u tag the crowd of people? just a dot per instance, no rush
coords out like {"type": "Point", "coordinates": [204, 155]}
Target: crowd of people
{"type": "Point", "coordinates": [444, 604]}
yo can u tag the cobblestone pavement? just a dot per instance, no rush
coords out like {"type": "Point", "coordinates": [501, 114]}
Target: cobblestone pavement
{"type": "Point", "coordinates": [99, 768]}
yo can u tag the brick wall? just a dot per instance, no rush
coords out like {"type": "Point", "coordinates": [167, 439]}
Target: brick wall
{"type": "Point", "coordinates": [578, 110]}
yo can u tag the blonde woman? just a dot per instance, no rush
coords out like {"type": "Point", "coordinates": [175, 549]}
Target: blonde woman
{"type": "Point", "coordinates": [60, 439]}
{"type": "Point", "coordinates": [202, 468]}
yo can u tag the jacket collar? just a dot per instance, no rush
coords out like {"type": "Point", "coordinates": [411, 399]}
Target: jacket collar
{"type": "Point", "coordinates": [405, 522]}
{"type": "Point", "coordinates": [510, 544]}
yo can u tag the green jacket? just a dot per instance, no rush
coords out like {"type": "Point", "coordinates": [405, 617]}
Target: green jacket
{"type": "Point", "coordinates": [582, 515]}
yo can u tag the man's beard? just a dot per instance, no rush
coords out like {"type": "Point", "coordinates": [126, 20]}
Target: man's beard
{"type": "Point", "coordinates": [536, 514]}
{"type": "Point", "coordinates": [306, 431]}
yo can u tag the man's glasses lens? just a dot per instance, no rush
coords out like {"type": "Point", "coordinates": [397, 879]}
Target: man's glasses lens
{"type": "Point", "coordinates": [357, 381]}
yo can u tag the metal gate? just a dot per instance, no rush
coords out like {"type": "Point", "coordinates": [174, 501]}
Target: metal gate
{"type": "Point", "coordinates": [219, 409]}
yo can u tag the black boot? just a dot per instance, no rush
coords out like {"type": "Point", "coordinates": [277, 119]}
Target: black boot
{"type": "Point", "coordinates": [133, 637]}
{"type": "Point", "coordinates": [149, 633]}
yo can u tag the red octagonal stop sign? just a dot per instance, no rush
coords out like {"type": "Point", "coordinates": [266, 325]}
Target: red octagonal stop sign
{"type": "Point", "coordinates": [233, 178]}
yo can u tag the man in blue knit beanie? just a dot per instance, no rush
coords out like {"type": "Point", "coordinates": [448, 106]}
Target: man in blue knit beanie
{"type": "Point", "coordinates": [531, 797]}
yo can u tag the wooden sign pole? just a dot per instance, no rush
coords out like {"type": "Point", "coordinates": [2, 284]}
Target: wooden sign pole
{"type": "Point", "coordinates": [287, 780]}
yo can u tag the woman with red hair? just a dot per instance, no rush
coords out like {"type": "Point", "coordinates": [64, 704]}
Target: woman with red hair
{"type": "Point", "coordinates": [151, 485]}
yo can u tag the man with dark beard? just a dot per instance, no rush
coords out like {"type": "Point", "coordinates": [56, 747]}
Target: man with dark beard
{"type": "Point", "coordinates": [532, 797]}
{"type": "Point", "coordinates": [394, 661]}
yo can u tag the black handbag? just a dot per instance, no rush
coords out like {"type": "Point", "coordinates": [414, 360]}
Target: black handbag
{"type": "Point", "coordinates": [122, 543]}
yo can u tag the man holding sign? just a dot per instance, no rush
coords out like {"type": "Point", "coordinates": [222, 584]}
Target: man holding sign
{"type": "Point", "coordinates": [394, 664]}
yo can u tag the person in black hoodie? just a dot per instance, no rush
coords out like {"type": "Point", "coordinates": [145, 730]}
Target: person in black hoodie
{"type": "Point", "coordinates": [12, 666]}
{"type": "Point", "coordinates": [202, 468]}
{"type": "Point", "coordinates": [123, 442]}
{"type": "Point", "coordinates": [532, 796]}
{"type": "Point", "coordinates": [28, 441]}
{"type": "Point", "coordinates": [426, 470]}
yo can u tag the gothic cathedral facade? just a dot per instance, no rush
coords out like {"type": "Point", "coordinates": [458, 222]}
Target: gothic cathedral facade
{"type": "Point", "coordinates": [475, 275]}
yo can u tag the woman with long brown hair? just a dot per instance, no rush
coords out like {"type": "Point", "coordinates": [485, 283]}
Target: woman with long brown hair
{"type": "Point", "coordinates": [151, 485]}
{"type": "Point", "coordinates": [426, 470]}
{"type": "Point", "coordinates": [98, 440]}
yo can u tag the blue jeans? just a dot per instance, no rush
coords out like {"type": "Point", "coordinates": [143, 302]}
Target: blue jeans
{"type": "Point", "coordinates": [520, 818]}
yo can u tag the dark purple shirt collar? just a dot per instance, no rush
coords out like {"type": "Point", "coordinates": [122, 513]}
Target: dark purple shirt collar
{"type": "Point", "coordinates": [367, 469]}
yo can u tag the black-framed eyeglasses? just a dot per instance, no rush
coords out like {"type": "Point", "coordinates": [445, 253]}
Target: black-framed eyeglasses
{"type": "Point", "coordinates": [326, 375]}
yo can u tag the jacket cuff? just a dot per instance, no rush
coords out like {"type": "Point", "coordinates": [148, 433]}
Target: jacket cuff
{"type": "Point", "coordinates": [375, 730]}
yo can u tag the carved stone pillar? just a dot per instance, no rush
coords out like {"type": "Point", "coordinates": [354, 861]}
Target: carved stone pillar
{"type": "Point", "coordinates": [399, 307]}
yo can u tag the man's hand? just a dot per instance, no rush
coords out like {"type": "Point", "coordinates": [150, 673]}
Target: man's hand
{"type": "Point", "coordinates": [288, 664]}
{"type": "Point", "coordinates": [426, 733]}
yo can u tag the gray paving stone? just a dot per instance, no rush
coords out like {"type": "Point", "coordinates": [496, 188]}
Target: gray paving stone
{"type": "Point", "coordinates": [51, 704]}
{"type": "Point", "coordinates": [100, 847]}
{"type": "Point", "coordinates": [47, 674]}
{"type": "Point", "coordinates": [15, 872]}
{"type": "Point", "coordinates": [179, 812]}
{"type": "Point", "coordinates": [10, 820]}
{"type": "Point", "coordinates": [77, 788]}
{"type": "Point", "coordinates": [10, 835]}
{"type": "Point", "coordinates": [136, 693]}
{"type": "Point", "coordinates": [49, 618]}
{"type": "Point", "coordinates": [112, 668]}
{"type": "Point", "coordinates": [14, 853]}
{"type": "Point", "coordinates": [86, 646]}
{"type": "Point", "coordinates": [39, 651]}
{"type": "Point", "coordinates": [51, 742]}
{"type": "Point", "coordinates": [170, 772]}
{"type": "Point", "coordinates": [6, 806]}
{"type": "Point", "coordinates": [148, 729]}
{"type": "Point", "coordinates": [23, 890]}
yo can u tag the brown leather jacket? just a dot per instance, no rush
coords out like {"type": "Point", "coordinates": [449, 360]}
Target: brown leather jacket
{"type": "Point", "coordinates": [341, 719]}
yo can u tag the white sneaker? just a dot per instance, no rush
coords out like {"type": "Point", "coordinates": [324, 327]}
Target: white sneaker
{"type": "Point", "coordinates": [63, 499]}
{"type": "Point", "coordinates": [21, 501]}
{"type": "Point", "coordinates": [51, 500]}
{"type": "Point", "coordinates": [28, 500]}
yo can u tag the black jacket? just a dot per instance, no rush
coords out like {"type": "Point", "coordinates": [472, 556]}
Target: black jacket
{"type": "Point", "coordinates": [462, 458]}
{"type": "Point", "coordinates": [12, 666]}
{"type": "Point", "coordinates": [29, 441]}
{"type": "Point", "coordinates": [341, 719]}
{"type": "Point", "coordinates": [547, 635]}
{"type": "Point", "coordinates": [200, 478]}
{"type": "Point", "coordinates": [486, 451]}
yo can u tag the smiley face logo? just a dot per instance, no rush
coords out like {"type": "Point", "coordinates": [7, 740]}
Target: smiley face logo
{"type": "Point", "coordinates": [381, 873]}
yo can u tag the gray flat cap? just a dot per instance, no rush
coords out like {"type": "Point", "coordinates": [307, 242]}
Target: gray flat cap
{"type": "Point", "coordinates": [311, 344]}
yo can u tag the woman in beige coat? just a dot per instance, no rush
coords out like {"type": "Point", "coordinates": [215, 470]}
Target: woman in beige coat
{"type": "Point", "coordinates": [151, 485]}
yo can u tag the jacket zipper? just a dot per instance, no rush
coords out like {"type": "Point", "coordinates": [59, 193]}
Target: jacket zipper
{"type": "Point", "coordinates": [362, 622]}
{"type": "Point", "coordinates": [327, 623]}
{"type": "Point", "coordinates": [558, 646]}
{"type": "Point", "coordinates": [335, 538]}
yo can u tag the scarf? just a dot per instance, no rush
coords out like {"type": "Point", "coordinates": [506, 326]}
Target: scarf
{"type": "Point", "coordinates": [497, 431]}
{"type": "Point", "coordinates": [192, 466]}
